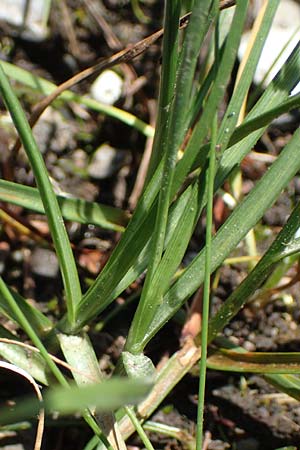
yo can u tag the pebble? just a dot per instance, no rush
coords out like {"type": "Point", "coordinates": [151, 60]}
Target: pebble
{"type": "Point", "coordinates": [44, 263]}
{"type": "Point", "coordinates": [218, 445]}
{"type": "Point", "coordinates": [17, 256]}
{"type": "Point", "coordinates": [31, 17]}
{"type": "Point", "coordinates": [249, 346]}
{"type": "Point", "coordinates": [79, 158]}
{"type": "Point", "coordinates": [265, 343]}
{"type": "Point", "coordinates": [54, 133]}
{"type": "Point", "coordinates": [107, 88]}
{"type": "Point", "coordinates": [105, 162]}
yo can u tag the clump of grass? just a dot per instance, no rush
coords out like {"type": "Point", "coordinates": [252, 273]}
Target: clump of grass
{"type": "Point", "coordinates": [155, 239]}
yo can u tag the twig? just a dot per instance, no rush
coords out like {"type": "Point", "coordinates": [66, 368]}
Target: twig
{"type": "Point", "coordinates": [141, 175]}
{"type": "Point", "coordinates": [69, 28]}
{"type": "Point", "coordinates": [94, 8]}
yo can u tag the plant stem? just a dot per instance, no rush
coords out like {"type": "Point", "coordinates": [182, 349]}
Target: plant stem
{"type": "Point", "coordinates": [130, 412]}
{"type": "Point", "coordinates": [206, 286]}
{"type": "Point", "coordinates": [52, 210]}
{"type": "Point", "coordinates": [167, 81]}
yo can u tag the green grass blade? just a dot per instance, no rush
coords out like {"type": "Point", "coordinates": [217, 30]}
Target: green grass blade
{"type": "Point", "coordinates": [264, 363]}
{"type": "Point", "coordinates": [46, 87]}
{"type": "Point", "coordinates": [169, 263]}
{"type": "Point", "coordinates": [75, 209]}
{"type": "Point", "coordinates": [201, 18]}
{"type": "Point", "coordinates": [167, 80]}
{"type": "Point", "coordinates": [168, 155]}
{"type": "Point", "coordinates": [56, 225]}
{"type": "Point", "coordinates": [206, 285]}
{"type": "Point", "coordinates": [284, 245]}
{"type": "Point", "coordinates": [276, 94]}
{"type": "Point", "coordinates": [250, 125]}
{"type": "Point", "coordinates": [241, 90]}
{"type": "Point", "coordinates": [234, 229]}
{"type": "Point", "coordinates": [127, 262]}
{"type": "Point", "coordinates": [290, 447]}
{"type": "Point", "coordinates": [224, 72]}
{"type": "Point", "coordinates": [120, 263]}
{"type": "Point", "coordinates": [202, 95]}
{"type": "Point", "coordinates": [279, 272]}
{"type": "Point", "coordinates": [106, 396]}
{"type": "Point", "coordinates": [264, 119]}
{"type": "Point", "coordinates": [144, 438]}
{"type": "Point", "coordinates": [177, 125]}
{"type": "Point", "coordinates": [93, 444]}
{"type": "Point", "coordinates": [289, 383]}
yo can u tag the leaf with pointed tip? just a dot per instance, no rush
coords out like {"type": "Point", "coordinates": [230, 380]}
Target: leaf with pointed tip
{"type": "Point", "coordinates": [287, 383]}
{"type": "Point", "coordinates": [256, 362]}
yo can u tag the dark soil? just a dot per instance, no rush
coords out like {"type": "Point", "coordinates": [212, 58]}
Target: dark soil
{"type": "Point", "coordinates": [243, 412]}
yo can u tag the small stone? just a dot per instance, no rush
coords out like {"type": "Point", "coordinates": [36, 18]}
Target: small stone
{"type": "Point", "coordinates": [107, 88]}
{"type": "Point", "coordinates": [218, 445]}
{"type": "Point", "coordinates": [79, 158]}
{"type": "Point", "coordinates": [249, 346]}
{"type": "Point", "coordinates": [234, 340]}
{"type": "Point", "coordinates": [31, 17]}
{"type": "Point", "coordinates": [105, 162]}
{"type": "Point", "coordinates": [293, 326]}
{"type": "Point", "coordinates": [44, 263]}
{"type": "Point", "coordinates": [264, 343]}
{"type": "Point", "coordinates": [228, 332]}
{"type": "Point", "coordinates": [54, 133]}
{"type": "Point", "coordinates": [17, 256]}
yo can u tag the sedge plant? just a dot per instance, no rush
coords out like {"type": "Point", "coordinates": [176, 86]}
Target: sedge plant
{"type": "Point", "coordinates": [195, 149]}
